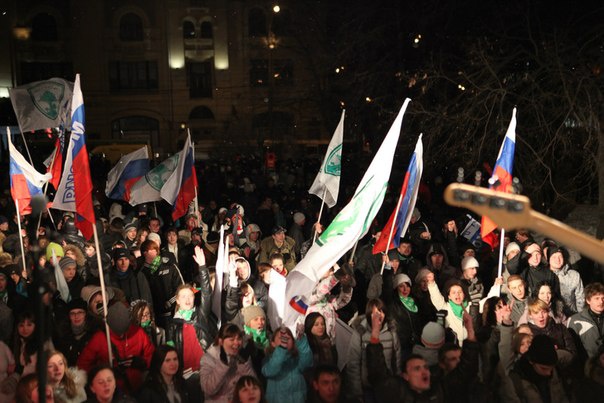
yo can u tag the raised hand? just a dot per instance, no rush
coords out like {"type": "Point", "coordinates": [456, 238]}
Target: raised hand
{"type": "Point", "coordinates": [199, 256]}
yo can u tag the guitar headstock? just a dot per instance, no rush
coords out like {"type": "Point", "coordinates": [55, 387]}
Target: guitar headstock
{"type": "Point", "coordinates": [508, 211]}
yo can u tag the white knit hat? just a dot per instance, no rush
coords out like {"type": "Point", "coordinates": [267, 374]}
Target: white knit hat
{"type": "Point", "coordinates": [512, 246]}
{"type": "Point", "coordinates": [401, 278]}
{"type": "Point", "coordinates": [433, 335]}
{"type": "Point", "coordinates": [469, 262]}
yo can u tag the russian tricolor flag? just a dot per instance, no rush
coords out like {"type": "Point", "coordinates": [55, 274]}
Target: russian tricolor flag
{"type": "Point", "coordinates": [180, 189]}
{"type": "Point", "coordinates": [82, 182]}
{"type": "Point", "coordinates": [25, 181]}
{"type": "Point", "coordinates": [501, 179]}
{"type": "Point", "coordinates": [402, 214]}
{"type": "Point", "coordinates": [129, 169]}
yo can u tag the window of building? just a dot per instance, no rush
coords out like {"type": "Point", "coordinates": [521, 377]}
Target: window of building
{"type": "Point", "coordinates": [200, 79]}
{"type": "Point", "coordinates": [258, 72]}
{"type": "Point", "coordinates": [136, 128]}
{"type": "Point", "coordinates": [37, 71]}
{"type": "Point", "coordinates": [131, 28]}
{"type": "Point", "coordinates": [44, 28]}
{"type": "Point", "coordinates": [283, 72]}
{"type": "Point", "coordinates": [201, 112]}
{"type": "Point", "coordinates": [207, 30]}
{"type": "Point", "coordinates": [133, 75]}
{"type": "Point", "coordinates": [256, 22]}
{"type": "Point", "coordinates": [188, 30]}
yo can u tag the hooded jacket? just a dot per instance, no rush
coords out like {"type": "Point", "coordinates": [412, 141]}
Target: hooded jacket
{"type": "Point", "coordinates": [134, 345]}
{"type": "Point", "coordinates": [446, 271]}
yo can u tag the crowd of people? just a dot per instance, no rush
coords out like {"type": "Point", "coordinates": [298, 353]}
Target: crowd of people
{"type": "Point", "coordinates": [430, 320]}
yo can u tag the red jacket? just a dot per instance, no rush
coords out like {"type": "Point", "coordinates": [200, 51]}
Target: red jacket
{"type": "Point", "coordinates": [134, 343]}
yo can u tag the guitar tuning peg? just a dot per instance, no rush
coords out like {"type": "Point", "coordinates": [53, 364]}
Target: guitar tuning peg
{"type": "Point", "coordinates": [516, 186]}
{"type": "Point", "coordinates": [477, 178]}
{"type": "Point", "coordinates": [460, 174]}
{"type": "Point", "coordinates": [494, 181]}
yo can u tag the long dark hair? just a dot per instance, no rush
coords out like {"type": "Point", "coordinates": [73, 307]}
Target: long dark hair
{"type": "Point", "coordinates": [155, 378]}
{"type": "Point", "coordinates": [317, 344]}
{"type": "Point", "coordinates": [31, 343]}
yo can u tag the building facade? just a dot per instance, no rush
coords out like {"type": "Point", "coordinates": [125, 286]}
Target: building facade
{"type": "Point", "coordinates": [234, 73]}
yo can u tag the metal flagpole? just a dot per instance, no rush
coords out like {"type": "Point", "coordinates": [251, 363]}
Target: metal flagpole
{"type": "Point", "coordinates": [500, 267]}
{"type": "Point", "coordinates": [314, 238]}
{"type": "Point", "coordinates": [21, 239]}
{"type": "Point", "coordinates": [103, 291]}
{"type": "Point", "coordinates": [398, 206]}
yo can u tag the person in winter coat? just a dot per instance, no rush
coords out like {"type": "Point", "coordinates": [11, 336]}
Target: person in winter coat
{"type": "Point", "coordinates": [530, 265]}
{"type": "Point", "coordinates": [278, 242]}
{"type": "Point", "coordinates": [123, 276]}
{"type": "Point", "coordinates": [74, 333]}
{"type": "Point", "coordinates": [455, 304]}
{"type": "Point", "coordinates": [132, 349]}
{"type": "Point", "coordinates": [77, 254]}
{"type": "Point", "coordinates": [357, 371]}
{"type": "Point", "coordinates": [142, 315]}
{"type": "Point", "coordinates": [438, 263]}
{"type": "Point", "coordinates": [571, 285]}
{"type": "Point", "coordinates": [67, 383]}
{"type": "Point", "coordinates": [323, 350]}
{"type": "Point", "coordinates": [257, 335]}
{"type": "Point", "coordinates": [542, 323]}
{"type": "Point", "coordinates": [222, 365]}
{"type": "Point", "coordinates": [589, 323]}
{"type": "Point", "coordinates": [191, 330]}
{"type": "Point", "coordinates": [518, 298]}
{"type": "Point", "coordinates": [163, 278]}
{"type": "Point", "coordinates": [75, 282]}
{"type": "Point", "coordinates": [534, 378]}
{"type": "Point", "coordinates": [286, 361]}
{"type": "Point", "coordinates": [164, 383]}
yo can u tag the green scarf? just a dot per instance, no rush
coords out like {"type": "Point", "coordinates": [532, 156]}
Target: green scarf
{"type": "Point", "coordinates": [155, 264]}
{"type": "Point", "coordinates": [458, 309]}
{"type": "Point", "coordinates": [259, 336]}
{"type": "Point", "coordinates": [145, 323]}
{"type": "Point", "coordinates": [409, 303]}
{"type": "Point", "coordinates": [186, 314]}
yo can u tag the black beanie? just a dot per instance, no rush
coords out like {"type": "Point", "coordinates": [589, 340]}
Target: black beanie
{"type": "Point", "coordinates": [542, 350]}
{"type": "Point", "coordinates": [118, 318]}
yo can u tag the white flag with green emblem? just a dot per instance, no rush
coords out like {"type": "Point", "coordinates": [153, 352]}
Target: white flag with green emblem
{"type": "Point", "coordinates": [147, 189]}
{"type": "Point", "coordinates": [350, 225]}
{"type": "Point", "coordinates": [328, 179]}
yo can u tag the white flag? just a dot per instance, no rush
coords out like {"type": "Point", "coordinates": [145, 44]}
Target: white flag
{"type": "Point", "coordinates": [220, 265]}
{"type": "Point", "coordinates": [328, 179]}
{"type": "Point", "coordinates": [276, 300]}
{"type": "Point", "coordinates": [148, 188]}
{"type": "Point", "coordinates": [351, 224]}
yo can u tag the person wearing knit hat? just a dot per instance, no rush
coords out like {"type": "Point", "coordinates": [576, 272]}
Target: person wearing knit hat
{"type": "Point", "coordinates": [71, 337]}
{"type": "Point", "coordinates": [129, 234]}
{"type": "Point", "coordinates": [432, 339]}
{"type": "Point", "coordinates": [74, 280]}
{"type": "Point", "coordinates": [543, 353]}
{"type": "Point", "coordinates": [512, 250]}
{"type": "Point", "coordinates": [56, 248]}
{"type": "Point", "coordinates": [403, 309]}
{"type": "Point", "coordinates": [571, 285]}
{"type": "Point", "coordinates": [254, 319]}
